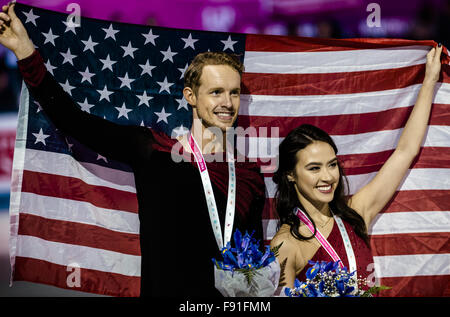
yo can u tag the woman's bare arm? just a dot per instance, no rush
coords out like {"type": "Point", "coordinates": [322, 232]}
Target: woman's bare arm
{"type": "Point", "coordinates": [372, 198]}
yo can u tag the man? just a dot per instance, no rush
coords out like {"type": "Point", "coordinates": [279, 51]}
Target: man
{"type": "Point", "coordinates": [181, 218]}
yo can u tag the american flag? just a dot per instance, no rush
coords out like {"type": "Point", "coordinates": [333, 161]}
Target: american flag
{"type": "Point", "coordinates": [73, 208]}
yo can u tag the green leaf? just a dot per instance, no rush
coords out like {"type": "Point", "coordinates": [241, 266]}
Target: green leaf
{"type": "Point", "coordinates": [374, 290]}
{"type": "Point", "coordinates": [249, 274]}
{"type": "Point", "coordinates": [282, 269]}
{"type": "Point", "coordinates": [274, 250]}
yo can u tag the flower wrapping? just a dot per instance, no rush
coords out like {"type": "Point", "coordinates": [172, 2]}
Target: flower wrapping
{"type": "Point", "coordinates": [236, 284]}
{"type": "Point", "coordinates": [246, 271]}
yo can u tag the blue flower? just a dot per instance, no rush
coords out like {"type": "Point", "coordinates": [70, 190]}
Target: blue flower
{"type": "Point", "coordinates": [324, 266]}
{"type": "Point", "coordinates": [314, 292]}
{"type": "Point", "coordinates": [287, 292]}
{"type": "Point", "coordinates": [312, 272]}
{"type": "Point", "coordinates": [332, 266]}
{"type": "Point", "coordinates": [299, 289]}
{"type": "Point", "coordinates": [245, 254]}
{"type": "Point", "coordinates": [325, 279]}
{"type": "Point", "coordinates": [267, 257]}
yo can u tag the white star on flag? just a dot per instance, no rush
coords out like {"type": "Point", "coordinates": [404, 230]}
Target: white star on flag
{"type": "Point", "coordinates": [31, 17]}
{"type": "Point", "coordinates": [229, 43]}
{"type": "Point", "coordinates": [162, 116]}
{"type": "Point", "coordinates": [150, 37]}
{"type": "Point", "coordinates": [49, 67]}
{"type": "Point", "coordinates": [100, 157]}
{"type": "Point", "coordinates": [126, 81]}
{"type": "Point", "coordinates": [68, 57]}
{"type": "Point", "coordinates": [179, 131]}
{"type": "Point", "coordinates": [144, 99]}
{"type": "Point", "coordinates": [40, 137]}
{"type": "Point", "coordinates": [168, 54]}
{"type": "Point", "coordinates": [147, 68]}
{"type": "Point", "coordinates": [183, 70]}
{"type": "Point", "coordinates": [189, 41]}
{"type": "Point", "coordinates": [70, 26]}
{"type": "Point", "coordinates": [105, 93]}
{"type": "Point", "coordinates": [110, 32]}
{"type": "Point", "coordinates": [107, 63]}
{"type": "Point", "coordinates": [85, 106]}
{"type": "Point", "coordinates": [89, 44]}
{"type": "Point", "coordinates": [129, 50]}
{"type": "Point", "coordinates": [50, 37]}
{"type": "Point", "coordinates": [182, 103]}
{"type": "Point", "coordinates": [165, 85]}
{"type": "Point", "coordinates": [39, 108]}
{"type": "Point", "coordinates": [86, 75]}
{"type": "Point", "coordinates": [67, 87]}
{"type": "Point", "coordinates": [123, 111]}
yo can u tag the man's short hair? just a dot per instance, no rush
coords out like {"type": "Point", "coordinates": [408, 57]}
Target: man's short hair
{"type": "Point", "coordinates": [194, 71]}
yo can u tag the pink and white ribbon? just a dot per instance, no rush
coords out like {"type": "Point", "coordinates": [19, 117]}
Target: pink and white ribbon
{"type": "Point", "coordinates": [319, 236]}
{"type": "Point", "coordinates": [209, 194]}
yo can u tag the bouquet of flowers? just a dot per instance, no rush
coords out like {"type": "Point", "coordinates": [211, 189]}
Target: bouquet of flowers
{"type": "Point", "coordinates": [246, 271]}
{"type": "Point", "coordinates": [327, 279]}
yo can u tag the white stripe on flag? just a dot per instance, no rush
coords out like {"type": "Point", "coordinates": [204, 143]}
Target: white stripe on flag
{"type": "Point", "coordinates": [415, 179]}
{"type": "Point", "coordinates": [327, 105]}
{"type": "Point", "coordinates": [361, 143]}
{"type": "Point", "coordinates": [410, 222]}
{"type": "Point", "coordinates": [372, 142]}
{"type": "Point", "coordinates": [79, 211]}
{"type": "Point", "coordinates": [334, 61]}
{"type": "Point", "coordinates": [86, 257]}
{"type": "Point", "coordinates": [66, 165]}
{"type": "Point", "coordinates": [412, 265]}
{"type": "Point", "coordinates": [270, 228]}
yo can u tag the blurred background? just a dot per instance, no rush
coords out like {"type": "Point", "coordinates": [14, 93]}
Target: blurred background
{"type": "Point", "coordinates": [408, 19]}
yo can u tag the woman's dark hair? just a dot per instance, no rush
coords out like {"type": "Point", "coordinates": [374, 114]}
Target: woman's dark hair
{"type": "Point", "coordinates": [286, 198]}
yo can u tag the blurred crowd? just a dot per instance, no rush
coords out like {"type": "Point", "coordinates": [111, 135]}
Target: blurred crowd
{"type": "Point", "coordinates": [429, 22]}
{"type": "Point", "coordinates": [10, 82]}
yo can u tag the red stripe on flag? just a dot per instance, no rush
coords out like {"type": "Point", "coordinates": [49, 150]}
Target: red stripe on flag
{"type": "Point", "coordinates": [79, 234]}
{"type": "Point", "coordinates": [345, 124]}
{"type": "Point", "coordinates": [332, 83]}
{"type": "Point", "coordinates": [276, 43]}
{"type": "Point", "coordinates": [429, 157]}
{"type": "Point", "coordinates": [419, 200]}
{"type": "Point", "coordinates": [416, 286]}
{"type": "Point", "coordinates": [75, 189]}
{"type": "Point", "coordinates": [411, 243]}
{"type": "Point", "coordinates": [92, 281]}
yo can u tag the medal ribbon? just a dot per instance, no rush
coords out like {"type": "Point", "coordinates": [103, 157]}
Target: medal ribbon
{"type": "Point", "coordinates": [326, 245]}
{"type": "Point", "coordinates": [209, 194]}
{"type": "Point", "coordinates": [323, 241]}
{"type": "Point", "coordinates": [348, 245]}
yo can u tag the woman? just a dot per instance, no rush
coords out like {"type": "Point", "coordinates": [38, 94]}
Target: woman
{"type": "Point", "coordinates": [310, 187]}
